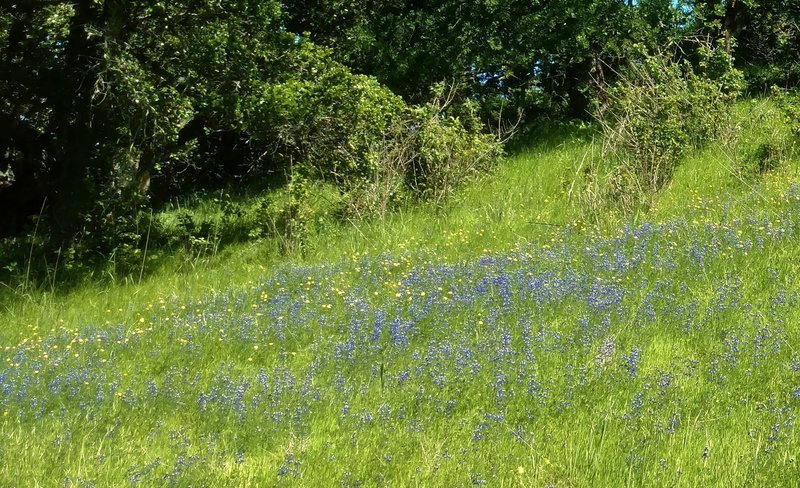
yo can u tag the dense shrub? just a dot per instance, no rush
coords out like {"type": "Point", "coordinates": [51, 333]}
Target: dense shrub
{"type": "Point", "coordinates": [789, 104]}
{"type": "Point", "coordinates": [136, 119]}
{"type": "Point", "coordinates": [427, 155]}
{"type": "Point", "coordinates": [658, 111]}
{"type": "Point", "coordinates": [326, 120]}
{"type": "Point", "coordinates": [449, 155]}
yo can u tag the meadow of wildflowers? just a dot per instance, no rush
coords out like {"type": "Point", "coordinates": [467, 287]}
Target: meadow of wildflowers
{"type": "Point", "coordinates": [664, 354]}
{"type": "Point", "coordinates": [481, 349]}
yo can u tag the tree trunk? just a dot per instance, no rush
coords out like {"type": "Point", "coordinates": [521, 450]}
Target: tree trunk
{"type": "Point", "coordinates": [76, 163]}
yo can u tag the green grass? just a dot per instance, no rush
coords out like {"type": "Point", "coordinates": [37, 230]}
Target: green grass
{"type": "Point", "coordinates": [501, 340]}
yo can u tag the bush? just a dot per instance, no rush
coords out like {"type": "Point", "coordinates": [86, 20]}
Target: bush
{"type": "Point", "coordinates": [385, 188]}
{"type": "Point", "coordinates": [437, 148]}
{"type": "Point", "coordinates": [658, 111]}
{"type": "Point", "coordinates": [350, 130]}
{"type": "Point", "coordinates": [449, 155]}
{"type": "Point", "coordinates": [789, 105]}
{"type": "Point", "coordinates": [325, 121]}
{"type": "Point", "coordinates": [315, 128]}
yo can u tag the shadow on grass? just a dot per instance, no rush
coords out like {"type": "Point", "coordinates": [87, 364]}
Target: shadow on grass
{"type": "Point", "coordinates": [547, 134]}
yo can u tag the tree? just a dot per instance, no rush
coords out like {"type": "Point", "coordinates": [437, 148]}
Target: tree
{"type": "Point", "coordinates": [538, 55]}
{"type": "Point", "coordinates": [768, 43]}
{"type": "Point", "coordinates": [112, 106]}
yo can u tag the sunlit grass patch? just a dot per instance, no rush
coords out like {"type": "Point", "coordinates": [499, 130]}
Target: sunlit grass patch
{"type": "Point", "coordinates": [500, 341]}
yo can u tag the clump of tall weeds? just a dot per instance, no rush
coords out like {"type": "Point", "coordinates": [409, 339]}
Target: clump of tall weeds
{"type": "Point", "coordinates": [661, 107]}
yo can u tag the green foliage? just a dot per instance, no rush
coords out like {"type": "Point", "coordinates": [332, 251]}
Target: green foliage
{"type": "Point", "coordinates": [206, 222]}
{"type": "Point", "coordinates": [296, 215]}
{"type": "Point", "coordinates": [768, 157]}
{"type": "Point", "coordinates": [768, 43]}
{"type": "Point", "coordinates": [427, 155]}
{"type": "Point", "coordinates": [763, 36]}
{"type": "Point", "coordinates": [111, 109]}
{"type": "Point", "coordinates": [789, 104]}
{"type": "Point", "coordinates": [658, 111]}
{"type": "Point", "coordinates": [327, 119]}
{"type": "Point", "coordinates": [537, 57]}
{"type": "Point", "coordinates": [449, 149]}
{"type": "Point", "coordinates": [118, 100]}
{"type": "Point", "coordinates": [102, 91]}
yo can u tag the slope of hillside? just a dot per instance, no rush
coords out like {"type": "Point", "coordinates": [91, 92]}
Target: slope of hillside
{"type": "Point", "coordinates": [502, 341]}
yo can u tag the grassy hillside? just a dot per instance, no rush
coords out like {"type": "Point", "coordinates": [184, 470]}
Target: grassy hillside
{"type": "Point", "coordinates": [506, 340]}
